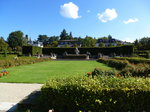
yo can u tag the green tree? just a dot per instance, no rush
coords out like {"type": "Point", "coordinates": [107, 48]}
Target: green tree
{"type": "Point", "coordinates": [54, 44]}
{"type": "Point", "coordinates": [53, 38]}
{"type": "Point", "coordinates": [64, 35]}
{"type": "Point", "coordinates": [101, 44]}
{"type": "Point", "coordinates": [43, 38]}
{"type": "Point", "coordinates": [70, 36]}
{"type": "Point", "coordinates": [3, 44]}
{"type": "Point", "coordinates": [16, 39]}
{"type": "Point", "coordinates": [88, 42]}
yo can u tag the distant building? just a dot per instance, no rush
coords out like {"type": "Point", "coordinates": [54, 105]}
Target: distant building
{"type": "Point", "coordinates": [34, 43]}
{"type": "Point", "coordinates": [70, 43]}
{"type": "Point", "coordinates": [109, 41]}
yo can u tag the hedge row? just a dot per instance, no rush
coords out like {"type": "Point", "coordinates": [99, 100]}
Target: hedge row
{"type": "Point", "coordinates": [20, 61]}
{"type": "Point", "coordinates": [123, 50]}
{"type": "Point", "coordinates": [118, 64]}
{"type": "Point", "coordinates": [97, 94]}
{"type": "Point", "coordinates": [126, 68]}
{"type": "Point", "coordinates": [31, 50]}
{"type": "Point", "coordinates": [135, 60]}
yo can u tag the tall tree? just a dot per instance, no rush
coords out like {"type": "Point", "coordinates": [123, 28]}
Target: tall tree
{"type": "Point", "coordinates": [70, 36]}
{"type": "Point", "coordinates": [16, 39]}
{"type": "Point", "coordinates": [64, 35]}
{"type": "Point", "coordinates": [88, 42]}
{"type": "Point", "coordinates": [43, 38]}
{"type": "Point", "coordinates": [53, 38]}
{"type": "Point", "coordinates": [3, 44]}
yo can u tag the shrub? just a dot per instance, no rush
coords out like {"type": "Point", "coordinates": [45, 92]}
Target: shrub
{"type": "Point", "coordinates": [20, 61]}
{"type": "Point", "coordinates": [140, 70]}
{"type": "Point", "coordinates": [97, 94]}
{"type": "Point", "coordinates": [100, 72]}
{"type": "Point", "coordinates": [33, 50]}
{"type": "Point", "coordinates": [118, 64]}
{"type": "Point", "coordinates": [134, 60]}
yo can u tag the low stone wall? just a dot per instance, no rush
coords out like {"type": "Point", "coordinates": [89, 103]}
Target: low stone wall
{"type": "Point", "coordinates": [73, 56]}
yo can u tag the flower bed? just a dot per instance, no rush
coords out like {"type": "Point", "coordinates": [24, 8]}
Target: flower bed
{"type": "Point", "coordinates": [3, 73]}
{"type": "Point", "coordinates": [20, 61]}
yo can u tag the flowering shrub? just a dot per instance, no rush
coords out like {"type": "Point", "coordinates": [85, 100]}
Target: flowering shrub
{"type": "Point", "coordinates": [3, 73]}
{"type": "Point", "coordinates": [20, 61]}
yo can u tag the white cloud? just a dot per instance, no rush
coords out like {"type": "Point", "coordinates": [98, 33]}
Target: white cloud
{"type": "Point", "coordinates": [108, 15]}
{"type": "Point", "coordinates": [69, 10]}
{"type": "Point", "coordinates": [88, 11]}
{"type": "Point", "coordinates": [131, 20]}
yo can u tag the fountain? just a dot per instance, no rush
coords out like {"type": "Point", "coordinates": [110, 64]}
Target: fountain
{"type": "Point", "coordinates": [76, 55]}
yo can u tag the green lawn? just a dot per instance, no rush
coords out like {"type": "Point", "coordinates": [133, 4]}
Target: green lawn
{"type": "Point", "coordinates": [40, 72]}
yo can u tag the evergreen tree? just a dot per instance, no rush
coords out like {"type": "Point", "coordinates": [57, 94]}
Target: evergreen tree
{"type": "Point", "coordinates": [70, 36]}
{"type": "Point", "coordinates": [63, 35]}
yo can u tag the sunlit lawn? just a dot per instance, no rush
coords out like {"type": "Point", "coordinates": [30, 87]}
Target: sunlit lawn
{"type": "Point", "coordinates": [40, 72]}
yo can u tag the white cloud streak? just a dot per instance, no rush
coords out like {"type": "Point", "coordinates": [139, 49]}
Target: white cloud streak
{"type": "Point", "coordinates": [131, 20]}
{"type": "Point", "coordinates": [69, 10]}
{"type": "Point", "coordinates": [107, 15]}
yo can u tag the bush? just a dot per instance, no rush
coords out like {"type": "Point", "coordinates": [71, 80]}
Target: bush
{"type": "Point", "coordinates": [100, 72]}
{"type": "Point", "coordinates": [20, 61]}
{"type": "Point", "coordinates": [118, 64]}
{"type": "Point", "coordinates": [31, 50]}
{"type": "Point", "coordinates": [134, 60]}
{"type": "Point", "coordinates": [140, 70]}
{"type": "Point", "coordinates": [97, 94]}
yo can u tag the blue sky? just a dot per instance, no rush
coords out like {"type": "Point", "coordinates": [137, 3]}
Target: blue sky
{"type": "Point", "coordinates": [123, 19]}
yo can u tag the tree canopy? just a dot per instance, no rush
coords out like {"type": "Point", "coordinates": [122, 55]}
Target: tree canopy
{"type": "Point", "coordinates": [16, 39]}
{"type": "Point", "coordinates": [3, 44]}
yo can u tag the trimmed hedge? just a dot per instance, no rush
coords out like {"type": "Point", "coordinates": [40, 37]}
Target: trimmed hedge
{"type": "Point", "coordinates": [123, 50]}
{"type": "Point", "coordinates": [126, 68]}
{"type": "Point", "coordinates": [31, 50]}
{"type": "Point", "coordinates": [134, 60]}
{"type": "Point", "coordinates": [97, 94]}
{"type": "Point", "coordinates": [118, 64]}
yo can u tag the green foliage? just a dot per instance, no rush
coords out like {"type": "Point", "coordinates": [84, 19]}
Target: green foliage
{"type": "Point", "coordinates": [101, 44]}
{"type": "Point", "coordinates": [64, 35]}
{"type": "Point", "coordinates": [3, 45]}
{"type": "Point", "coordinates": [134, 60]}
{"type": "Point", "coordinates": [6, 63]}
{"type": "Point", "coordinates": [143, 43]}
{"type": "Point", "coordinates": [43, 38]}
{"type": "Point", "coordinates": [33, 50]}
{"type": "Point", "coordinates": [16, 39]}
{"type": "Point", "coordinates": [140, 70]}
{"type": "Point", "coordinates": [103, 94]}
{"type": "Point", "coordinates": [118, 64]}
{"type": "Point", "coordinates": [101, 72]}
{"type": "Point", "coordinates": [128, 69]}
{"type": "Point", "coordinates": [89, 42]}
{"type": "Point", "coordinates": [124, 50]}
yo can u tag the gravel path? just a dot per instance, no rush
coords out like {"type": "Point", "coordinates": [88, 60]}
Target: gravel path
{"type": "Point", "coordinates": [12, 93]}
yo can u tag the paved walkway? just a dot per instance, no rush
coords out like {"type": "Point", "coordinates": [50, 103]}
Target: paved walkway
{"type": "Point", "coordinates": [13, 93]}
